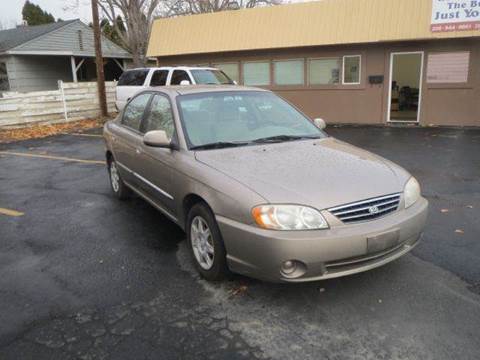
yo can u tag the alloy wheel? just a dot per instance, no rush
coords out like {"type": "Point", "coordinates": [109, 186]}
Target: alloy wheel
{"type": "Point", "coordinates": [114, 177]}
{"type": "Point", "coordinates": [202, 242]}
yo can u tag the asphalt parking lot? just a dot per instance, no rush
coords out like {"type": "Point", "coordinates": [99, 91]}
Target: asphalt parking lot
{"type": "Point", "coordinates": [86, 276]}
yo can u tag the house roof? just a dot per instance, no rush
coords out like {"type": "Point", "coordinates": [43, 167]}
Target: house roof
{"type": "Point", "coordinates": [14, 37]}
{"type": "Point", "coordinates": [63, 38]}
{"type": "Point", "coordinates": [326, 22]}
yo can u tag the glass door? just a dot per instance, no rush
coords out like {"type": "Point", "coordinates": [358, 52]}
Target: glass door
{"type": "Point", "coordinates": [405, 86]}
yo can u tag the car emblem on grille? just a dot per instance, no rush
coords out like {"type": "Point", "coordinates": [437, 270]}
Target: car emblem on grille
{"type": "Point", "coordinates": [373, 210]}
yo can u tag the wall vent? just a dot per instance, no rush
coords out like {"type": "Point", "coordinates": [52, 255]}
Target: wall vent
{"type": "Point", "coordinates": [80, 39]}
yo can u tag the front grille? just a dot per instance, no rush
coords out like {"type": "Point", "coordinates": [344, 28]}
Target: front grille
{"type": "Point", "coordinates": [367, 209]}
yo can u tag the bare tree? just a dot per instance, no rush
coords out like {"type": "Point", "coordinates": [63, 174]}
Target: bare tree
{"type": "Point", "coordinates": [137, 16]}
{"type": "Point", "coordinates": [185, 7]}
{"type": "Point", "coordinates": [131, 20]}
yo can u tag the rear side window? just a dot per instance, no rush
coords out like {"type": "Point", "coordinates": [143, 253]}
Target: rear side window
{"type": "Point", "coordinates": [133, 113]}
{"type": "Point", "coordinates": [159, 78]}
{"type": "Point", "coordinates": [178, 76]}
{"type": "Point", "coordinates": [210, 77]}
{"type": "Point", "coordinates": [133, 78]}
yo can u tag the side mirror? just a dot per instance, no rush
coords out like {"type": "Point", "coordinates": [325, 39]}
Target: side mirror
{"type": "Point", "coordinates": [320, 123]}
{"type": "Point", "coordinates": [157, 138]}
{"type": "Point", "coordinates": [185, 82]}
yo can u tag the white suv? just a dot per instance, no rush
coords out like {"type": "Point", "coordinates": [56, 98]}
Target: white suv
{"type": "Point", "coordinates": [134, 80]}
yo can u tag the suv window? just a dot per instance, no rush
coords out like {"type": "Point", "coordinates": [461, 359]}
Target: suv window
{"type": "Point", "coordinates": [160, 116]}
{"type": "Point", "coordinates": [178, 76]}
{"type": "Point", "coordinates": [159, 78]}
{"type": "Point", "coordinates": [133, 77]}
{"type": "Point", "coordinates": [210, 77]}
{"type": "Point", "coordinates": [133, 113]}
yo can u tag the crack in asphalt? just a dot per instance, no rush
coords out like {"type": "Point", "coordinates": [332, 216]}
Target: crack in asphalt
{"type": "Point", "coordinates": [172, 331]}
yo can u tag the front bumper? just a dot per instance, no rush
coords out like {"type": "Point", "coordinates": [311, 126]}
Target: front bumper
{"type": "Point", "coordinates": [338, 251]}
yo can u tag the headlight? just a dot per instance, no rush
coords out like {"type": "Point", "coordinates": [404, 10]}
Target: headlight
{"type": "Point", "coordinates": [411, 192]}
{"type": "Point", "coordinates": [288, 217]}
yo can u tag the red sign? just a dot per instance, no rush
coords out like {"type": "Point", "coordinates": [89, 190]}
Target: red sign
{"type": "Point", "coordinates": [465, 26]}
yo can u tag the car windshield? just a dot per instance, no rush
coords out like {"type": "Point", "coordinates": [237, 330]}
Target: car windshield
{"type": "Point", "coordinates": [210, 77]}
{"type": "Point", "coordinates": [222, 119]}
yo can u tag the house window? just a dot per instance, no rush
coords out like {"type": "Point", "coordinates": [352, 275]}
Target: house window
{"type": "Point", "coordinates": [351, 69]}
{"type": "Point", "coordinates": [256, 73]}
{"type": "Point", "coordinates": [231, 69]}
{"type": "Point", "coordinates": [324, 71]}
{"type": "Point", "coordinates": [448, 68]}
{"type": "Point", "coordinates": [4, 85]}
{"type": "Point", "coordinates": [289, 72]}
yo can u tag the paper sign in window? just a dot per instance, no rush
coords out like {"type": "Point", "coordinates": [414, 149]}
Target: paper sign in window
{"type": "Point", "coordinates": [448, 67]}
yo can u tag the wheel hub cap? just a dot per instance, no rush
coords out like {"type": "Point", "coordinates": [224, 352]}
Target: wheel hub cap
{"type": "Point", "coordinates": [202, 242]}
{"type": "Point", "coordinates": [114, 177]}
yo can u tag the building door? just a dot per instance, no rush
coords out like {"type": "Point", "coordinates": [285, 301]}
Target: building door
{"type": "Point", "coordinates": [405, 91]}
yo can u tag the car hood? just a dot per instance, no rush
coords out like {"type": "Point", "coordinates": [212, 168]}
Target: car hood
{"type": "Point", "coordinates": [319, 173]}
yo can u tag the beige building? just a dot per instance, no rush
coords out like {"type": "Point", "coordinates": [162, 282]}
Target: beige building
{"type": "Point", "coordinates": [347, 61]}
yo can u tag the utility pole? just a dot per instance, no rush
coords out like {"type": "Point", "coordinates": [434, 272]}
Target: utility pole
{"type": "Point", "coordinates": [102, 99]}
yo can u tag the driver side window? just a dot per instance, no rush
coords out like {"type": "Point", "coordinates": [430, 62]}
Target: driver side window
{"type": "Point", "coordinates": [160, 116]}
{"type": "Point", "coordinates": [133, 113]}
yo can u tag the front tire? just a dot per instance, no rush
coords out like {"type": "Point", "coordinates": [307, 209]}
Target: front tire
{"type": "Point", "coordinates": [120, 190]}
{"type": "Point", "coordinates": [206, 244]}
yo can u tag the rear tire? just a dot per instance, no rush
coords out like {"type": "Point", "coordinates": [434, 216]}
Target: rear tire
{"type": "Point", "coordinates": [206, 243]}
{"type": "Point", "coordinates": [120, 190]}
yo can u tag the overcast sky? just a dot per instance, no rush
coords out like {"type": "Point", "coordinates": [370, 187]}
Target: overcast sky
{"type": "Point", "coordinates": [11, 14]}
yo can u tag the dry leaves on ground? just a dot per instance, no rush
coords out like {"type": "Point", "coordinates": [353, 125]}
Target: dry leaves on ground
{"type": "Point", "coordinates": [40, 131]}
{"type": "Point", "coordinates": [238, 290]}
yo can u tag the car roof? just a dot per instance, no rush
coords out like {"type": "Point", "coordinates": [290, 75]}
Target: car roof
{"type": "Point", "coordinates": [175, 90]}
{"type": "Point", "coordinates": [175, 68]}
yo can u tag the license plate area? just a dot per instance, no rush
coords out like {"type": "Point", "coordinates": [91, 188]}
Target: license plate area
{"type": "Point", "coordinates": [382, 242]}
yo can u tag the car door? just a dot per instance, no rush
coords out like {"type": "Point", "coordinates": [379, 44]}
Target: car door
{"type": "Point", "coordinates": [155, 164]}
{"type": "Point", "coordinates": [128, 137]}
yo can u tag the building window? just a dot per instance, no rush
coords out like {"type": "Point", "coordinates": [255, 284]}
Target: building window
{"type": "Point", "coordinates": [351, 69]}
{"type": "Point", "coordinates": [448, 68]}
{"type": "Point", "coordinates": [289, 72]}
{"type": "Point", "coordinates": [324, 71]}
{"type": "Point", "coordinates": [4, 85]}
{"type": "Point", "coordinates": [256, 73]}
{"type": "Point", "coordinates": [231, 69]}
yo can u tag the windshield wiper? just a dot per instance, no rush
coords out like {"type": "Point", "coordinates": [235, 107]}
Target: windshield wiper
{"type": "Point", "coordinates": [218, 145]}
{"type": "Point", "coordinates": [281, 138]}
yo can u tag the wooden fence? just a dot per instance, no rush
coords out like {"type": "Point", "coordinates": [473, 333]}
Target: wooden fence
{"type": "Point", "coordinates": [70, 102]}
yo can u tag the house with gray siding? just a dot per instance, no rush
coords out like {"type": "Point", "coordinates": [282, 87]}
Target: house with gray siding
{"type": "Point", "coordinates": [34, 58]}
